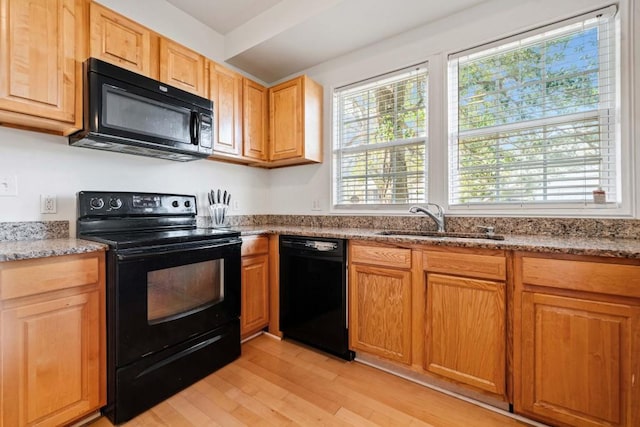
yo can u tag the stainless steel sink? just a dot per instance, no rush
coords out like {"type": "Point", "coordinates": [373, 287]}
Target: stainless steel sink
{"type": "Point", "coordinates": [440, 234]}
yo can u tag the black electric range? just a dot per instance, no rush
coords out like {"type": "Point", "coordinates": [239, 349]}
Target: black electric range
{"type": "Point", "coordinates": [173, 295]}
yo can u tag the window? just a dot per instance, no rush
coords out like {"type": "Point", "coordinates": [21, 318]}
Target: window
{"type": "Point", "coordinates": [380, 140]}
{"type": "Point", "coordinates": [532, 118]}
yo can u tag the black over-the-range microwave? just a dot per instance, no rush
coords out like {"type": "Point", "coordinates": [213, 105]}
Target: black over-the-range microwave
{"type": "Point", "coordinates": [130, 113]}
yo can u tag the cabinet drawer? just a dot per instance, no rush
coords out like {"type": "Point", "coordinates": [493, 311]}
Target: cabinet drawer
{"type": "Point", "coordinates": [253, 245]}
{"type": "Point", "coordinates": [481, 266]}
{"type": "Point", "coordinates": [31, 277]}
{"type": "Point", "coordinates": [381, 255]}
{"type": "Point", "coordinates": [614, 279]}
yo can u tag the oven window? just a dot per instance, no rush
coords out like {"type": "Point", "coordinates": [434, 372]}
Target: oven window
{"type": "Point", "coordinates": [179, 291]}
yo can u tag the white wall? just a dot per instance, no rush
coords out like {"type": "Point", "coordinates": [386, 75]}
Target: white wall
{"type": "Point", "coordinates": [293, 189]}
{"type": "Point", "coordinates": [46, 164]}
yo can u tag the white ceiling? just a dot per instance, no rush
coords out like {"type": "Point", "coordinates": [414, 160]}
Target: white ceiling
{"type": "Point", "coordinates": [272, 39]}
{"type": "Point", "coordinates": [224, 15]}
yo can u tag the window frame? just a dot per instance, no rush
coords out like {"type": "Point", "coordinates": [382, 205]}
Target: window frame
{"type": "Point", "coordinates": [624, 166]}
{"type": "Point", "coordinates": [335, 166]}
{"type": "Point", "coordinates": [438, 111]}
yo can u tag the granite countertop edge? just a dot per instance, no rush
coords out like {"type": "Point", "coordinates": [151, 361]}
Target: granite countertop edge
{"type": "Point", "coordinates": [16, 250]}
{"type": "Point", "coordinates": [604, 247]}
{"type": "Point", "coordinates": [599, 246]}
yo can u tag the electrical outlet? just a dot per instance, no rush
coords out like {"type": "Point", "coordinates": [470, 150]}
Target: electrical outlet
{"type": "Point", "coordinates": [9, 185]}
{"type": "Point", "coordinates": [315, 205]}
{"type": "Point", "coordinates": [235, 206]}
{"type": "Point", "coordinates": [48, 204]}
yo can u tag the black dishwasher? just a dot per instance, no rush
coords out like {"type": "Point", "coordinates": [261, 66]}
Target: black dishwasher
{"type": "Point", "coordinates": [313, 293]}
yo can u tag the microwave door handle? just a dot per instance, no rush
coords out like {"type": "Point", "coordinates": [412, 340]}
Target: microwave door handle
{"type": "Point", "coordinates": [195, 127]}
{"type": "Point", "coordinates": [198, 125]}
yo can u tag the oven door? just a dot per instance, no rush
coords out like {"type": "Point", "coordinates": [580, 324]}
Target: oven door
{"type": "Point", "coordinates": [165, 295]}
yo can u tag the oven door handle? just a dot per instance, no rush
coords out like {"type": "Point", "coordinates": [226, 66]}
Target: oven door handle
{"type": "Point", "coordinates": [159, 251]}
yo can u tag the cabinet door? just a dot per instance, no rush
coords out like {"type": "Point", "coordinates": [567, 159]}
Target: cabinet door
{"type": "Point", "coordinates": [255, 112]}
{"type": "Point", "coordinates": [39, 71]}
{"type": "Point", "coordinates": [225, 88]}
{"type": "Point", "coordinates": [465, 336]}
{"type": "Point", "coordinates": [182, 67]}
{"type": "Point", "coordinates": [120, 41]}
{"type": "Point", "coordinates": [380, 312]}
{"type": "Point", "coordinates": [285, 115]}
{"type": "Point", "coordinates": [254, 313]}
{"type": "Point", "coordinates": [578, 361]}
{"type": "Point", "coordinates": [51, 360]}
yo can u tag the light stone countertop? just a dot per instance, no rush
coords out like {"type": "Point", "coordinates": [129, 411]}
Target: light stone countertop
{"type": "Point", "coordinates": [13, 250]}
{"type": "Point", "coordinates": [605, 247]}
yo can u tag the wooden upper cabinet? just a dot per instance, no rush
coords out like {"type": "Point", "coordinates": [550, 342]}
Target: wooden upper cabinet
{"type": "Point", "coordinates": [295, 128]}
{"type": "Point", "coordinates": [120, 41]}
{"type": "Point", "coordinates": [255, 120]}
{"type": "Point", "coordinates": [285, 114]}
{"type": "Point", "coordinates": [41, 46]}
{"type": "Point", "coordinates": [225, 90]}
{"type": "Point", "coordinates": [182, 67]}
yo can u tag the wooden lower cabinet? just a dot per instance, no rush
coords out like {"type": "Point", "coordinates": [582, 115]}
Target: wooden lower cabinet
{"type": "Point", "coordinates": [577, 340]}
{"type": "Point", "coordinates": [254, 314]}
{"type": "Point", "coordinates": [576, 361]}
{"type": "Point", "coordinates": [556, 335]}
{"type": "Point", "coordinates": [379, 306]}
{"type": "Point", "coordinates": [465, 331]}
{"type": "Point", "coordinates": [255, 294]}
{"type": "Point", "coordinates": [52, 342]}
{"type": "Point", "coordinates": [465, 318]}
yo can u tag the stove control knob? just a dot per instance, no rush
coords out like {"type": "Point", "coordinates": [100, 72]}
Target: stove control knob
{"type": "Point", "coordinates": [115, 203]}
{"type": "Point", "coordinates": [96, 203]}
{"type": "Point", "coordinates": [187, 204]}
{"type": "Point", "coordinates": [175, 204]}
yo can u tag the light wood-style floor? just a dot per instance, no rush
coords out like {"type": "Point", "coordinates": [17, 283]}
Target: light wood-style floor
{"type": "Point", "coordinates": [279, 383]}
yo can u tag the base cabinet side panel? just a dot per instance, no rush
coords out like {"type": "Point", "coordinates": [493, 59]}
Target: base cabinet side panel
{"type": "Point", "coordinates": [255, 294]}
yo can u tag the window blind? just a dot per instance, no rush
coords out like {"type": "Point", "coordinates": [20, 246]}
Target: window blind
{"type": "Point", "coordinates": [380, 140]}
{"type": "Point", "coordinates": [533, 118]}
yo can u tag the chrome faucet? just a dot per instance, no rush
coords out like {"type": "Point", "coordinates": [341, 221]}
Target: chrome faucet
{"type": "Point", "coordinates": [437, 217]}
